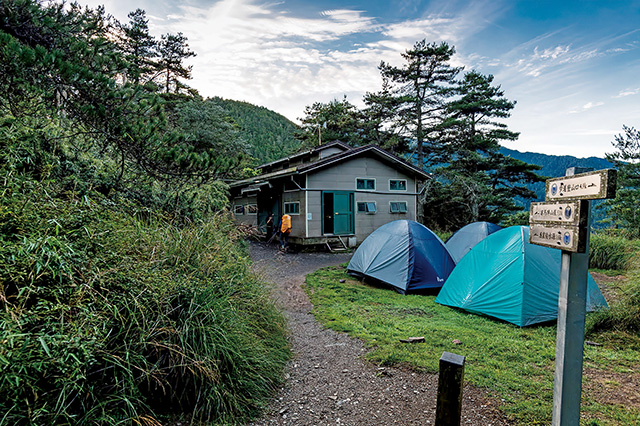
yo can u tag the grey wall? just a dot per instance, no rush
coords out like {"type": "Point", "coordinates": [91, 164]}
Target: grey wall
{"type": "Point", "coordinates": [343, 176]}
{"type": "Point", "coordinates": [297, 220]}
{"type": "Point", "coordinates": [247, 219]}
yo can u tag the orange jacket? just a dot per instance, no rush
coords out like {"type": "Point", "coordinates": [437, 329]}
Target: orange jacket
{"type": "Point", "coordinates": [286, 223]}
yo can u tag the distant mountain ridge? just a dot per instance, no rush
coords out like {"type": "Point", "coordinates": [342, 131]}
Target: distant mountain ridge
{"type": "Point", "coordinates": [554, 165]}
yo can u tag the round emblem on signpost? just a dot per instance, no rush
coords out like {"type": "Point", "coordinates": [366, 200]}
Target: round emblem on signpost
{"type": "Point", "coordinates": [567, 212]}
{"type": "Point", "coordinates": [554, 189]}
{"type": "Point", "coordinates": [566, 239]}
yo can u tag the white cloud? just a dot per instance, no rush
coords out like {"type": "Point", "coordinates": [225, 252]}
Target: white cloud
{"type": "Point", "coordinates": [430, 29]}
{"type": "Point", "coordinates": [261, 54]}
{"type": "Point", "coordinates": [586, 107]}
{"type": "Point", "coordinates": [628, 92]}
{"type": "Point", "coordinates": [590, 105]}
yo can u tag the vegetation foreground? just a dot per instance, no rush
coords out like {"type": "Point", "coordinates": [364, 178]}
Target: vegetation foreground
{"type": "Point", "coordinates": [515, 365]}
{"type": "Point", "coordinates": [111, 319]}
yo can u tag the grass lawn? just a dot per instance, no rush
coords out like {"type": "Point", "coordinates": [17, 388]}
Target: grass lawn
{"type": "Point", "coordinates": [513, 364]}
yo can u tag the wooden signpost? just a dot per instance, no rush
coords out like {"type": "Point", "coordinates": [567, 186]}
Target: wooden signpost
{"type": "Point", "coordinates": [565, 225]}
{"type": "Point", "coordinates": [596, 185]}
{"type": "Point", "coordinates": [559, 225]}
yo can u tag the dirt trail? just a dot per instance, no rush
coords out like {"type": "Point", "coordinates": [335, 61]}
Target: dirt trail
{"type": "Point", "coordinates": [328, 383]}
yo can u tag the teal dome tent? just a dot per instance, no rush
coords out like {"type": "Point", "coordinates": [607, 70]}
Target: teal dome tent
{"type": "Point", "coordinates": [506, 277]}
{"type": "Point", "coordinates": [468, 236]}
{"type": "Point", "coordinates": [404, 254]}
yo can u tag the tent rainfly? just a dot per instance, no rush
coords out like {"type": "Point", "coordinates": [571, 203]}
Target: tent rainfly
{"type": "Point", "coordinates": [404, 254]}
{"type": "Point", "coordinates": [506, 277]}
{"type": "Point", "coordinates": [468, 236]}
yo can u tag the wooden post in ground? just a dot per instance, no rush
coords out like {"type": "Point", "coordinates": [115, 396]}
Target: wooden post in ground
{"type": "Point", "coordinates": [450, 380]}
{"type": "Point", "coordinates": [572, 301]}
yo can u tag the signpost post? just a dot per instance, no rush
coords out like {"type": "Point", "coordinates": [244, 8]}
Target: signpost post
{"type": "Point", "coordinates": [565, 225]}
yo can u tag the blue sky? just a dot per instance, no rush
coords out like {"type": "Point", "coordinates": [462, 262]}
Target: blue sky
{"type": "Point", "coordinates": [572, 66]}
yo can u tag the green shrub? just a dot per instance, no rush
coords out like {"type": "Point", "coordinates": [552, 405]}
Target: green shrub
{"type": "Point", "coordinates": [516, 219]}
{"type": "Point", "coordinates": [106, 319]}
{"type": "Point", "coordinates": [624, 313]}
{"type": "Point", "coordinates": [611, 251]}
{"type": "Point", "coordinates": [443, 235]}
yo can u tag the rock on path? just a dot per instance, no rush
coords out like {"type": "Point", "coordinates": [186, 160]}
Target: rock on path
{"type": "Point", "coordinates": [328, 382]}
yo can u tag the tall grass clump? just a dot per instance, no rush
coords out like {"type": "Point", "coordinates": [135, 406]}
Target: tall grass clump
{"type": "Point", "coordinates": [612, 251]}
{"type": "Point", "coordinates": [624, 313]}
{"type": "Point", "coordinates": [109, 319]}
{"type": "Point", "coordinates": [618, 253]}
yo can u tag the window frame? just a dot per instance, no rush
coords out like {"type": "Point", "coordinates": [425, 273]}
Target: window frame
{"type": "Point", "coordinates": [239, 207]}
{"type": "Point", "coordinates": [399, 210]}
{"type": "Point", "coordinates": [365, 180]}
{"type": "Point", "coordinates": [366, 205]}
{"type": "Point", "coordinates": [251, 209]}
{"type": "Point", "coordinates": [291, 203]}
{"type": "Point", "coordinates": [406, 185]}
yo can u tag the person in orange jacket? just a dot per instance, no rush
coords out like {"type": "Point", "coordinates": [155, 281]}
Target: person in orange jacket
{"type": "Point", "coordinates": [285, 230]}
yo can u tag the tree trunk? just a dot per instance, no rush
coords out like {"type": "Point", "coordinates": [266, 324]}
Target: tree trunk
{"type": "Point", "coordinates": [419, 138]}
{"type": "Point", "coordinates": [421, 200]}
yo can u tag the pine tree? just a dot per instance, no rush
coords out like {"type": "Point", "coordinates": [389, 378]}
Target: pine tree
{"type": "Point", "coordinates": [336, 120]}
{"type": "Point", "coordinates": [62, 62]}
{"type": "Point", "coordinates": [381, 110]}
{"type": "Point", "coordinates": [624, 210]}
{"type": "Point", "coordinates": [139, 46]}
{"type": "Point", "coordinates": [481, 180]}
{"type": "Point", "coordinates": [173, 51]}
{"type": "Point", "coordinates": [418, 92]}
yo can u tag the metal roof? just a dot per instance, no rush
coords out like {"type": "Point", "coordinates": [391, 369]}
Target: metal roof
{"type": "Point", "coordinates": [329, 161]}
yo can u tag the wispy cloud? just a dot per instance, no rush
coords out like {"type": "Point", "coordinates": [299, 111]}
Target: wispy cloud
{"type": "Point", "coordinates": [628, 92]}
{"type": "Point", "coordinates": [542, 60]}
{"type": "Point", "coordinates": [586, 107]}
{"type": "Point", "coordinates": [543, 54]}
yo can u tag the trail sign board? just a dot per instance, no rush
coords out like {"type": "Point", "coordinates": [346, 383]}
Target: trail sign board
{"type": "Point", "coordinates": [584, 186]}
{"type": "Point", "coordinates": [559, 225]}
{"type": "Point", "coordinates": [563, 237]}
{"type": "Point", "coordinates": [565, 225]}
{"type": "Point", "coordinates": [569, 213]}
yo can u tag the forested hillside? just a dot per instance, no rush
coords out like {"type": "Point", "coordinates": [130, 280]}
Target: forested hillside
{"type": "Point", "coordinates": [126, 295]}
{"type": "Point", "coordinates": [268, 134]}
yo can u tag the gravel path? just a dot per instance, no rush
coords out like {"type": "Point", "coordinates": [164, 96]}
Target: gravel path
{"type": "Point", "coordinates": [328, 382]}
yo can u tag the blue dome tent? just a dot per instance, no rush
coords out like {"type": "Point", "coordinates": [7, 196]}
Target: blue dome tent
{"type": "Point", "coordinates": [404, 254]}
{"type": "Point", "coordinates": [468, 236]}
{"type": "Point", "coordinates": [506, 277]}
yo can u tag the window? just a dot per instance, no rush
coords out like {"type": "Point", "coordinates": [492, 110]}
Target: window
{"type": "Point", "coordinates": [367, 207]}
{"type": "Point", "coordinates": [397, 185]}
{"type": "Point", "coordinates": [252, 209]}
{"type": "Point", "coordinates": [398, 206]}
{"type": "Point", "coordinates": [366, 184]}
{"type": "Point", "coordinates": [238, 209]}
{"type": "Point", "coordinates": [292, 208]}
